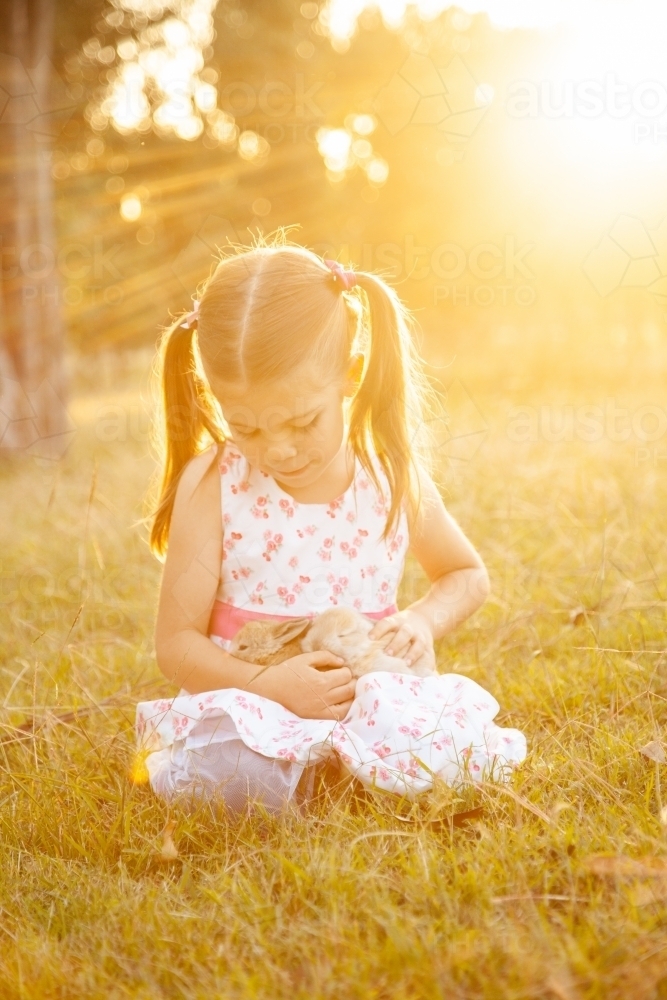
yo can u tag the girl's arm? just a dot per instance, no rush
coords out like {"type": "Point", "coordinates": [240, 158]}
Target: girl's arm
{"type": "Point", "coordinates": [459, 580]}
{"type": "Point", "coordinates": [185, 654]}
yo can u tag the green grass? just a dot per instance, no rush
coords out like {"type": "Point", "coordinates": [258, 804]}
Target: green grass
{"type": "Point", "coordinates": [362, 896]}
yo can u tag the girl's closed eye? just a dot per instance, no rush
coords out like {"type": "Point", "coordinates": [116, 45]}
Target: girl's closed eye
{"type": "Point", "coordinates": [304, 427]}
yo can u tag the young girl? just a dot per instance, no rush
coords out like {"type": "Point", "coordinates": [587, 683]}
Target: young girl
{"type": "Point", "coordinates": [293, 482]}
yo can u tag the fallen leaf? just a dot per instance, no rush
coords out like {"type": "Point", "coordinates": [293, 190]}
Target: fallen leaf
{"type": "Point", "coordinates": [169, 850]}
{"type": "Point", "coordinates": [469, 816]}
{"type": "Point", "coordinates": [655, 751]}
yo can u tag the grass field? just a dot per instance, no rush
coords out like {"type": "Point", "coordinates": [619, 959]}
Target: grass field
{"type": "Point", "coordinates": [362, 897]}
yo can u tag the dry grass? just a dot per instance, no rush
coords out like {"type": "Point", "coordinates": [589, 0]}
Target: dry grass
{"type": "Point", "coordinates": [361, 897]}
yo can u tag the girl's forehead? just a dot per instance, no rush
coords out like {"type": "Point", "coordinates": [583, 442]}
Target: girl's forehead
{"type": "Point", "coordinates": [292, 396]}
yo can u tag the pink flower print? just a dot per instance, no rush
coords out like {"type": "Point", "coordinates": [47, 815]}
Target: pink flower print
{"type": "Point", "coordinates": [273, 544]}
{"type": "Point", "coordinates": [310, 529]}
{"type": "Point", "coordinates": [226, 518]}
{"type": "Point", "coordinates": [395, 544]}
{"type": "Point", "coordinates": [348, 550]}
{"type": "Point", "coordinates": [287, 507]}
{"type": "Point", "coordinates": [368, 571]}
{"type": "Point", "coordinates": [371, 720]}
{"type": "Point", "coordinates": [285, 596]}
{"type": "Point", "coordinates": [459, 717]}
{"type": "Point", "coordinates": [444, 741]}
{"type": "Point", "coordinates": [286, 754]}
{"type": "Point", "coordinates": [304, 579]}
{"type": "Point", "coordinates": [230, 541]}
{"type": "Point", "coordinates": [384, 774]}
{"type": "Point", "coordinates": [324, 552]}
{"type": "Point", "coordinates": [256, 597]}
{"type": "Point", "coordinates": [293, 562]}
{"type": "Point", "coordinates": [334, 506]}
{"type": "Point", "coordinates": [357, 603]}
{"type": "Point", "coordinates": [222, 468]}
{"type": "Point", "coordinates": [242, 573]}
{"type": "Point", "coordinates": [258, 509]}
{"type": "Point", "coordinates": [350, 516]}
{"type": "Point", "coordinates": [407, 731]}
{"type": "Point", "coordinates": [338, 587]}
{"type": "Point", "coordinates": [364, 483]}
{"type": "Point", "coordinates": [382, 750]}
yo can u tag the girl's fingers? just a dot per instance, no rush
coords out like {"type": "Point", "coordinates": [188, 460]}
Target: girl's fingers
{"type": "Point", "coordinates": [382, 627]}
{"type": "Point", "coordinates": [415, 651]}
{"type": "Point", "coordinates": [323, 658]}
{"type": "Point", "coordinates": [344, 692]}
{"type": "Point", "coordinates": [399, 642]}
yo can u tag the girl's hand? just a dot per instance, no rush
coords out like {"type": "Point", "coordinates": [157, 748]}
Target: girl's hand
{"type": "Point", "coordinates": [308, 692]}
{"type": "Point", "coordinates": [409, 635]}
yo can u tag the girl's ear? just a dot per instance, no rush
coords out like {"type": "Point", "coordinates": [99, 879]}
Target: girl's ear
{"type": "Point", "coordinates": [354, 371]}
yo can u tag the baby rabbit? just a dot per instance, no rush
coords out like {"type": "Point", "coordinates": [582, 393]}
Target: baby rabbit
{"type": "Point", "coordinates": [341, 631]}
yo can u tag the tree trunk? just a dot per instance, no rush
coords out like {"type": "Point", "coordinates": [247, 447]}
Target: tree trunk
{"type": "Point", "coordinates": [33, 414]}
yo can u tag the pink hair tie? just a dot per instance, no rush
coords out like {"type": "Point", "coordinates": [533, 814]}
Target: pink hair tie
{"type": "Point", "coordinates": [347, 278]}
{"type": "Point", "coordinates": [191, 319]}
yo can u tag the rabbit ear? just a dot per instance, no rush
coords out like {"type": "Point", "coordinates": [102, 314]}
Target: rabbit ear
{"type": "Point", "coordinates": [288, 631]}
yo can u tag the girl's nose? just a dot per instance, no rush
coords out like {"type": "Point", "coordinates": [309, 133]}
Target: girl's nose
{"type": "Point", "coordinates": [280, 453]}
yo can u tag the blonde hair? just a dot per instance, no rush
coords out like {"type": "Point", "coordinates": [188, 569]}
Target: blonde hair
{"type": "Point", "coordinates": [268, 309]}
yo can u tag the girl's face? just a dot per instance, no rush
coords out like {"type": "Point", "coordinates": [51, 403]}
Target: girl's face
{"type": "Point", "coordinates": [292, 431]}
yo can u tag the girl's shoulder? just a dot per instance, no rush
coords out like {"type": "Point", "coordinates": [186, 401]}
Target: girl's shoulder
{"type": "Point", "coordinates": [195, 472]}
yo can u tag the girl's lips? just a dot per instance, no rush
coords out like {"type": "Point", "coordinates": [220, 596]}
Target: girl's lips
{"type": "Point", "coordinates": [290, 475]}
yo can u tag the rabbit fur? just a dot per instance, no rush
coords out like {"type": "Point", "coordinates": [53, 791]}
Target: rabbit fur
{"type": "Point", "coordinates": [341, 631]}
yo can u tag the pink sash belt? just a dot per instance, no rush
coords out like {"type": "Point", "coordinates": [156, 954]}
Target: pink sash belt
{"type": "Point", "coordinates": [226, 619]}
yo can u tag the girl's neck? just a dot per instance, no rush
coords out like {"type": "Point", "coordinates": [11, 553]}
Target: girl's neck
{"type": "Point", "coordinates": [333, 482]}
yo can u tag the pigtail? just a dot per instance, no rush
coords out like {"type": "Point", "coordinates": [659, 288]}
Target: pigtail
{"type": "Point", "coordinates": [188, 417]}
{"type": "Point", "coordinates": [394, 400]}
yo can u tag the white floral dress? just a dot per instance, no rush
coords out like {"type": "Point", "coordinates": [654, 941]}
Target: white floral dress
{"type": "Point", "coordinates": [284, 559]}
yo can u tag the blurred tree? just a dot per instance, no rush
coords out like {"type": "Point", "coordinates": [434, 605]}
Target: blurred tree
{"type": "Point", "coordinates": [33, 415]}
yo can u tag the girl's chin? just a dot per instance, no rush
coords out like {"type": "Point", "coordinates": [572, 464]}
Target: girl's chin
{"type": "Point", "coordinates": [288, 476]}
